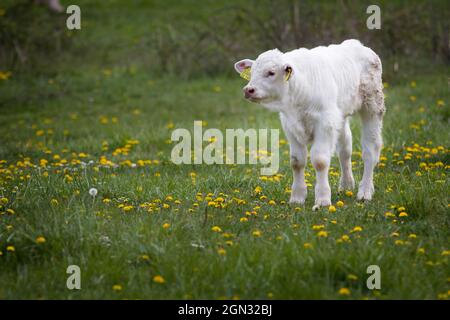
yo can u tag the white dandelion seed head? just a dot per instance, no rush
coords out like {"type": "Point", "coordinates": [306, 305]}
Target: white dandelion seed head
{"type": "Point", "coordinates": [93, 192]}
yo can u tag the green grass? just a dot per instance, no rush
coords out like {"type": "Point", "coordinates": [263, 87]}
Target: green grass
{"type": "Point", "coordinates": [96, 108]}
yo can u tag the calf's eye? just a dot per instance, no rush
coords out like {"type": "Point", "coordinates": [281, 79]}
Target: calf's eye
{"type": "Point", "coordinates": [270, 73]}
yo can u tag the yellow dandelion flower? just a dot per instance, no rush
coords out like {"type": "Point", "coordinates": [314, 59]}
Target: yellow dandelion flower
{"type": "Point", "coordinates": [117, 287]}
{"type": "Point", "coordinates": [348, 193]}
{"type": "Point", "coordinates": [322, 234]}
{"type": "Point", "coordinates": [216, 229]}
{"type": "Point", "coordinates": [256, 233]}
{"type": "Point", "coordinates": [10, 249]}
{"type": "Point", "coordinates": [170, 125]}
{"type": "Point", "coordinates": [158, 279]}
{"type": "Point", "coordinates": [4, 75]}
{"type": "Point", "coordinates": [40, 240]}
{"type": "Point", "coordinates": [412, 236]}
{"type": "Point", "coordinates": [331, 209]}
{"type": "Point", "coordinates": [340, 203]}
{"type": "Point", "coordinates": [127, 208]}
{"type": "Point", "coordinates": [4, 200]}
{"type": "Point", "coordinates": [352, 277]}
{"type": "Point", "coordinates": [445, 253]}
{"type": "Point", "coordinates": [54, 202]}
{"type": "Point", "coordinates": [344, 291]}
{"type": "Point", "coordinates": [221, 251]}
{"type": "Point", "coordinates": [421, 251]}
{"type": "Point", "coordinates": [403, 214]}
{"type": "Point", "coordinates": [243, 219]}
{"type": "Point", "coordinates": [389, 214]}
{"type": "Point", "coordinates": [442, 296]}
{"type": "Point", "coordinates": [166, 225]}
{"type": "Point", "coordinates": [357, 229]}
{"type": "Point", "coordinates": [307, 245]}
{"type": "Point", "coordinates": [220, 200]}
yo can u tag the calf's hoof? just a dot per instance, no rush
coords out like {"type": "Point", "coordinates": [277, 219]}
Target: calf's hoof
{"type": "Point", "coordinates": [346, 184]}
{"type": "Point", "coordinates": [321, 203]}
{"type": "Point", "coordinates": [297, 199]}
{"type": "Point", "coordinates": [365, 192]}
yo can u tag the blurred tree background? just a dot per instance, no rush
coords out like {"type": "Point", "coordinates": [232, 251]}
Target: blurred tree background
{"type": "Point", "coordinates": [191, 38]}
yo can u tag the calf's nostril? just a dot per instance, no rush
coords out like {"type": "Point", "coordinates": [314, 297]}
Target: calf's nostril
{"type": "Point", "coordinates": [249, 92]}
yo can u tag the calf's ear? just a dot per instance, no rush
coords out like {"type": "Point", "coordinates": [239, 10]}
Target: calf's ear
{"type": "Point", "coordinates": [242, 65]}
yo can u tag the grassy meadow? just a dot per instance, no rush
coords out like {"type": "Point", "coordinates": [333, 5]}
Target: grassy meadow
{"type": "Point", "coordinates": [156, 230]}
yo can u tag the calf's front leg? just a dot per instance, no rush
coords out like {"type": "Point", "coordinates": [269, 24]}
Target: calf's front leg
{"type": "Point", "coordinates": [298, 163]}
{"type": "Point", "coordinates": [321, 151]}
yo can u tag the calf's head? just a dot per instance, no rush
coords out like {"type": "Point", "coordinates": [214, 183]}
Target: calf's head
{"type": "Point", "coordinates": [269, 74]}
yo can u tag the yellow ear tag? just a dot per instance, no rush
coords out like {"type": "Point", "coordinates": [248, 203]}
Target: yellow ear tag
{"type": "Point", "coordinates": [245, 74]}
{"type": "Point", "coordinates": [288, 75]}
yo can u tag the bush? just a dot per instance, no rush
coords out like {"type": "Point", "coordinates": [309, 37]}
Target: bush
{"type": "Point", "coordinates": [30, 34]}
{"type": "Point", "coordinates": [408, 31]}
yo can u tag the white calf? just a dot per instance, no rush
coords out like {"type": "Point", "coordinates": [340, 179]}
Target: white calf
{"type": "Point", "coordinates": [316, 91]}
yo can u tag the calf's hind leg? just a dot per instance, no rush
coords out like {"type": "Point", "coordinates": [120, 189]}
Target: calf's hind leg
{"type": "Point", "coordinates": [372, 112]}
{"type": "Point", "coordinates": [344, 146]}
{"type": "Point", "coordinates": [371, 147]}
